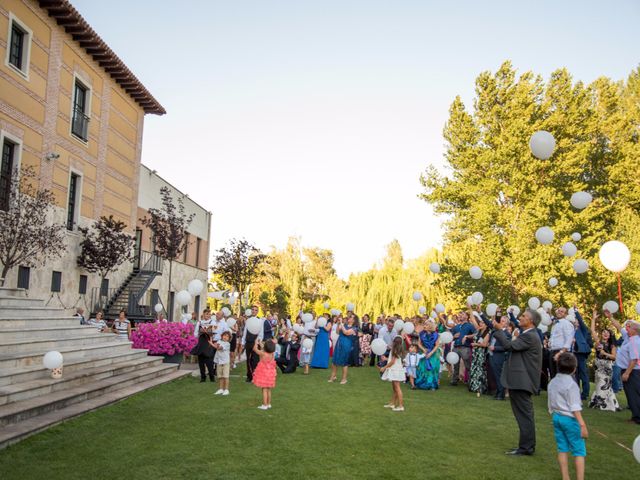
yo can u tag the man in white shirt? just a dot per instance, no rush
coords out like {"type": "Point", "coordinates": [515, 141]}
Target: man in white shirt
{"type": "Point", "coordinates": [387, 334]}
{"type": "Point", "coordinates": [561, 340]}
{"type": "Point", "coordinates": [248, 341]}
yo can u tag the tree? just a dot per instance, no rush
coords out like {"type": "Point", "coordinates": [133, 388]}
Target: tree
{"type": "Point", "coordinates": [238, 265]}
{"type": "Point", "coordinates": [497, 194]}
{"type": "Point", "coordinates": [105, 246]}
{"type": "Point", "coordinates": [169, 226]}
{"type": "Point", "coordinates": [28, 236]}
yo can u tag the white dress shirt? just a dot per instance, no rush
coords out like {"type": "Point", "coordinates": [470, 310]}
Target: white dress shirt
{"type": "Point", "coordinates": [564, 395]}
{"type": "Point", "coordinates": [219, 327]}
{"type": "Point", "coordinates": [387, 335]}
{"type": "Point", "coordinates": [562, 335]}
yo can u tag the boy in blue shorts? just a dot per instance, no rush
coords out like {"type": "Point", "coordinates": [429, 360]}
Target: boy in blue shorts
{"type": "Point", "coordinates": [565, 407]}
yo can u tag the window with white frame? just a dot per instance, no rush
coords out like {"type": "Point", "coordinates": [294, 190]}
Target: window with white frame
{"type": "Point", "coordinates": [19, 46]}
{"type": "Point", "coordinates": [73, 204]}
{"type": "Point", "coordinates": [80, 110]}
{"type": "Point", "coordinates": [11, 148]}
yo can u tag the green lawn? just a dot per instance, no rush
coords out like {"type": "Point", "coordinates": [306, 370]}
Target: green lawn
{"type": "Point", "coordinates": [314, 430]}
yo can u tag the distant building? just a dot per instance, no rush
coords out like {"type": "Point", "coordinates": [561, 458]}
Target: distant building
{"type": "Point", "coordinates": [73, 111]}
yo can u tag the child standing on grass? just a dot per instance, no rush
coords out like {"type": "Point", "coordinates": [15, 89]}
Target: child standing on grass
{"type": "Point", "coordinates": [223, 362]}
{"type": "Point", "coordinates": [264, 376]}
{"type": "Point", "coordinates": [393, 372]}
{"type": "Point", "coordinates": [565, 407]}
{"type": "Point", "coordinates": [305, 356]}
{"type": "Point", "coordinates": [411, 363]}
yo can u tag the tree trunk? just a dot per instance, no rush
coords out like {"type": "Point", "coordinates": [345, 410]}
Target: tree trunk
{"type": "Point", "coordinates": [5, 270]}
{"type": "Point", "coordinates": [169, 306]}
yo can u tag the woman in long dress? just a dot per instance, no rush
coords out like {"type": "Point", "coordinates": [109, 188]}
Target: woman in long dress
{"type": "Point", "coordinates": [428, 370]}
{"type": "Point", "coordinates": [603, 398]}
{"type": "Point", "coordinates": [348, 335]}
{"type": "Point", "coordinates": [365, 339]}
{"type": "Point", "coordinates": [478, 380]}
{"type": "Point", "coordinates": [320, 357]}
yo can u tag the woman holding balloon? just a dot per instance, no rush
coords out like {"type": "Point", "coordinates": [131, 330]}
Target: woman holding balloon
{"type": "Point", "coordinates": [348, 335]}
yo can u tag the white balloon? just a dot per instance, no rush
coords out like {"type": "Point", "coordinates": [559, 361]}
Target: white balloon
{"type": "Point", "coordinates": [248, 312]}
{"type": "Point", "coordinates": [638, 308]}
{"type": "Point", "coordinates": [615, 256]}
{"type": "Point", "coordinates": [534, 303]}
{"type": "Point", "coordinates": [477, 298]}
{"type": "Point", "coordinates": [491, 309]}
{"type": "Point", "coordinates": [545, 319]}
{"type": "Point", "coordinates": [417, 296]}
{"type": "Point", "coordinates": [307, 317]}
{"type": "Point", "coordinates": [231, 322]}
{"type": "Point", "coordinates": [543, 328]}
{"type": "Point", "coordinates": [515, 310]}
{"type": "Point", "coordinates": [636, 448]}
{"type": "Point", "coordinates": [195, 287]}
{"type": "Point", "coordinates": [307, 343]}
{"type": "Point", "coordinates": [544, 235]}
{"type": "Point", "coordinates": [322, 322]}
{"type": "Point", "coordinates": [542, 144]}
{"type": "Point", "coordinates": [408, 328]}
{"type": "Point", "coordinates": [440, 308]}
{"type": "Point", "coordinates": [254, 325]}
{"type": "Point", "coordinates": [299, 329]}
{"type": "Point", "coordinates": [580, 265]}
{"type": "Point", "coordinates": [378, 346]}
{"type": "Point", "coordinates": [553, 282]}
{"type": "Point", "coordinates": [452, 358]}
{"type": "Point", "coordinates": [398, 325]}
{"type": "Point", "coordinates": [433, 315]}
{"type": "Point", "coordinates": [326, 305]}
{"type": "Point", "coordinates": [569, 249]}
{"type": "Point", "coordinates": [475, 272]}
{"type": "Point", "coordinates": [233, 300]}
{"type": "Point", "coordinates": [52, 359]}
{"type": "Point", "coordinates": [183, 298]}
{"type": "Point", "coordinates": [547, 305]}
{"type": "Point", "coordinates": [576, 237]}
{"type": "Point", "coordinates": [226, 312]}
{"type": "Point", "coordinates": [335, 312]}
{"type": "Point", "coordinates": [581, 200]}
{"type": "Point", "coordinates": [350, 307]}
{"type": "Point", "coordinates": [446, 337]}
{"type": "Point", "coordinates": [611, 306]}
{"type": "Point", "coordinates": [434, 267]}
{"type": "Point", "coordinates": [422, 310]}
{"type": "Point", "coordinates": [158, 308]}
{"type": "Point", "coordinates": [470, 300]}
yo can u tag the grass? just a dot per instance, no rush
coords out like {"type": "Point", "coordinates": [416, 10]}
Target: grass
{"type": "Point", "coordinates": [314, 430]}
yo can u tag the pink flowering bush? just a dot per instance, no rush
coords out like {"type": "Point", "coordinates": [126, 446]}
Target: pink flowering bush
{"type": "Point", "coordinates": [164, 338]}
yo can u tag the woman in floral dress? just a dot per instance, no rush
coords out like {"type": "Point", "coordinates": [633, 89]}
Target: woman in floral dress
{"type": "Point", "coordinates": [478, 381]}
{"type": "Point", "coordinates": [603, 398]}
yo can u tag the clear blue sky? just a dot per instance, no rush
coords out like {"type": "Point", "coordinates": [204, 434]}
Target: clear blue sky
{"type": "Point", "coordinates": [315, 118]}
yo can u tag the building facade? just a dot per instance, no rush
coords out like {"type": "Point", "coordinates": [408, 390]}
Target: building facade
{"type": "Point", "coordinates": [71, 110]}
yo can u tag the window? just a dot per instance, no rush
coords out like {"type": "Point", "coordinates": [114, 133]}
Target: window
{"type": "Point", "coordinates": [19, 46]}
{"type": "Point", "coordinates": [80, 113]}
{"type": "Point", "coordinates": [196, 307]}
{"type": "Point", "coordinates": [198, 245]}
{"type": "Point", "coordinates": [6, 172]}
{"type": "Point", "coordinates": [75, 187]}
{"type": "Point", "coordinates": [82, 286]}
{"type": "Point", "coordinates": [172, 296]}
{"type": "Point", "coordinates": [155, 297]}
{"type": "Point", "coordinates": [56, 281]}
{"type": "Point", "coordinates": [104, 287]}
{"type": "Point", "coordinates": [24, 274]}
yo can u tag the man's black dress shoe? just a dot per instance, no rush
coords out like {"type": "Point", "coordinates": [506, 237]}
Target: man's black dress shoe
{"type": "Point", "coordinates": [520, 451]}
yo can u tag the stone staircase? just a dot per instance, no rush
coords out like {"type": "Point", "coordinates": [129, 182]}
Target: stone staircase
{"type": "Point", "coordinates": [98, 369]}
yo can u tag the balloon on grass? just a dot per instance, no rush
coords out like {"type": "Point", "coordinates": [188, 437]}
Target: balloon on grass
{"type": "Point", "coordinates": [615, 256]}
{"type": "Point", "coordinates": [636, 448]}
{"type": "Point", "coordinates": [542, 144]}
{"type": "Point", "coordinates": [534, 303]}
{"type": "Point", "coordinates": [52, 359]}
{"type": "Point", "coordinates": [378, 346]}
{"type": "Point", "coordinates": [453, 358]}
{"type": "Point", "coordinates": [611, 306]}
{"type": "Point", "coordinates": [434, 267]}
{"type": "Point", "coordinates": [544, 235]}
{"type": "Point", "coordinates": [581, 200]}
{"type": "Point", "coordinates": [569, 249]}
{"type": "Point", "coordinates": [580, 266]}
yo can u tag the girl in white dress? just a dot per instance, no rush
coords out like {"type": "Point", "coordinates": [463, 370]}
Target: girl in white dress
{"type": "Point", "coordinates": [393, 372]}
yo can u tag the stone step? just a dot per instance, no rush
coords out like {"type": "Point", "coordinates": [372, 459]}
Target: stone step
{"type": "Point", "coordinates": [24, 359]}
{"type": "Point", "coordinates": [46, 344]}
{"type": "Point", "coordinates": [57, 320]}
{"type": "Point", "coordinates": [11, 312]}
{"type": "Point", "coordinates": [20, 302]}
{"type": "Point", "coordinates": [10, 434]}
{"type": "Point", "coordinates": [9, 334]}
{"type": "Point", "coordinates": [45, 386]}
{"type": "Point", "coordinates": [19, 411]}
{"type": "Point", "coordinates": [10, 376]}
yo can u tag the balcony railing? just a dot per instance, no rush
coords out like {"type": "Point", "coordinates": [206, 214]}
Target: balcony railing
{"type": "Point", "coordinates": [80, 124]}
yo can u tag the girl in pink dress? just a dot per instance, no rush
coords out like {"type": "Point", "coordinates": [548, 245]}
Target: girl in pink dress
{"type": "Point", "coordinates": [264, 376]}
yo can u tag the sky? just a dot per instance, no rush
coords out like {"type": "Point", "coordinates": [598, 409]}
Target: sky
{"type": "Point", "coordinates": [315, 118]}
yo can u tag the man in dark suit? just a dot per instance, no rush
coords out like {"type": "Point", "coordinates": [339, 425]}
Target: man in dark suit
{"type": "Point", "coordinates": [288, 359]}
{"type": "Point", "coordinates": [521, 375]}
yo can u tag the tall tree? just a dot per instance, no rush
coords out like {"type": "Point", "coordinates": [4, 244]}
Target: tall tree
{"type": "Point", "coordinates": [238, 265]}
{"type": "Point", "coordinates": [105, 246]}
{"type": "Point", "coordinates": [28, 236]}
{"type": "Point", "coordinates": [169, 226]}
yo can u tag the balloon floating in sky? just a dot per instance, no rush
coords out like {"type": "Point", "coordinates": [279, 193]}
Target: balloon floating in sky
{"type": "Point", "coordinates": [580, 266]}
{"type": "Point", "coordinates": [422, 310]}
{"type": "Point", "coordinates": [476, 298]}
{"type": "Point", "coordinates": [569, 249]}
{"type": "Point", "coordinates": [576, 237]}
{"type": "Point", "coordinates": [491, 309]}
{"type": "Point", "coordinates": [534, 303]}
{"type": "Point", "coordinates": [475, 272]}
{"type": "Point", "coordinates": [440, 308]}
{"type": "Point", "coordinates": [610, 306]}
{"type": "Point", "coordinates": [417, 296]}
{"type": "Point", "coordinates": [542, 144]}
{"type": "Point", "coordinates": [434, 267]}
{"type": "Point", "coordinates": [615, 256]}
{"type": "Point", "coordinates": [553, 282]}
{"type": "Point", "coordinates": [581, 200]}
{"type": "Point", "coordinates": [544, 235]}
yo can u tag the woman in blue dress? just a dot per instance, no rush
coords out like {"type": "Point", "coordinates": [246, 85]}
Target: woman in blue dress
{"type": "Point", "coordinates": [428, 370]}
{"type": "Point", "coordinates": [320, 357]}
{"type": "Point", "coordinates": [348, 335]}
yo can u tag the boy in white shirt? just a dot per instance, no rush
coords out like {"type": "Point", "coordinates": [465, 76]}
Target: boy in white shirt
{"type": "Point", "coordinates": [222, 362]}
{"type": "Point", "coordinates": [565, 406]}
{"type": "Point", "coordinates": [411, 363]}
